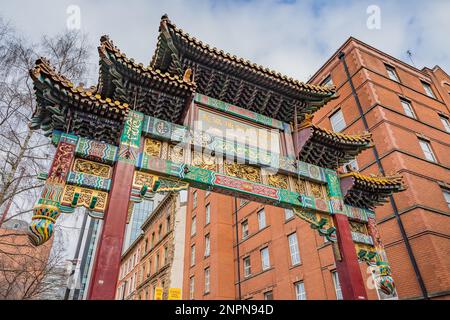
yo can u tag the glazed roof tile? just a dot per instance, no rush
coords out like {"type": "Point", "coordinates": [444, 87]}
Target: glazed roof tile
{"type": "Point", "coordinates": [247, 64]}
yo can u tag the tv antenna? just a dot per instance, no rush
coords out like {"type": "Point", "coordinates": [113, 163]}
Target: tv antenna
{"type": "Point", "coordinates": [409, 53]}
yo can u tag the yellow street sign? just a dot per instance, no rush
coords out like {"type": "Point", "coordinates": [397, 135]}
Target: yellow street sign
{"type": "Point", "coordinates": [158, 293]}
{"type": "Point", "coordinates": [174, 293]}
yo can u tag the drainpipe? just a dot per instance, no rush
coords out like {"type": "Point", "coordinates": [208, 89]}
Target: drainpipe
{"type": "Point", "coordinates": [237, 248]}
{"type": "Point", "coordinates": [391, 198]}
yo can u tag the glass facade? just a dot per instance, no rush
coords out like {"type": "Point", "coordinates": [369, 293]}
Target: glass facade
{"type": "Point", "coordinates": [140, 212]}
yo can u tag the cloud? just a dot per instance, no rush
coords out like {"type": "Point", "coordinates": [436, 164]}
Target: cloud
{"type": "Point", "coordinates": [293, 37]}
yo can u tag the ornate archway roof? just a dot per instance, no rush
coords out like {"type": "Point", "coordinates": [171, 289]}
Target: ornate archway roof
{"type": "Point", "coordinates": [235, 80]}
{"type": "Point", "coordinates": [369, 191]}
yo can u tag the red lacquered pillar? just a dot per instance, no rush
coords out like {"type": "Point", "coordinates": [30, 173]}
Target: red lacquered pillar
{"type": "Point", "coordinates": [347, 265]}
{"type": "Point", "coordinates": [106, 267]}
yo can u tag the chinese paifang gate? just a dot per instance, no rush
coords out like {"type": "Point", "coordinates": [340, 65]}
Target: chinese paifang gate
{"type": "Point", "coordinates": [135, 133]}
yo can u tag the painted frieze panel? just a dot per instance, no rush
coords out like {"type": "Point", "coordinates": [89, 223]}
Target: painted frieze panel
{"type": "Point", "coordinates": [92, 168]}
{"type": "Point", "coordinates": [75, 196]}
{"type": "Point", "coordinates": [89, 180]}
{"type": "Point", "coordinates": [95, 150]}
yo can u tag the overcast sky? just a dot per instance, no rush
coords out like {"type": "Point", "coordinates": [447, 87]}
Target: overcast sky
{"type": "Point", "coordinates": [293, 37]}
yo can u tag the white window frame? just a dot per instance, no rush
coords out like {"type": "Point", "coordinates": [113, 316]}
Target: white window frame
{"type": "Point", "coordinates": [191, 287]}
{"type": "Point", "coordinates": [392, 73]}
{"type": "Point", "coordinates": [294, 249]}
{"type": "Point", "coordinates": [337, 286]}
{"type": "Point", "coordinates": [193, 255]}
{"type": "Point", "coordinates": [194, 199]}
{"type": "Point", "coordinates": [445, 122]}
{"type": "Point", "coordinates": [261, 219]}
{"type": "Point", "coordinates": [247, 267]}
{"type": "Point", "coordinates": [245, 231]}
{"type": "Point", "coordinates": [428, 90]}
{"type": "Point", "coordinates": [338, 121]}
{"type": "Point", "coordinates": [265, 258]}
{"type": "Point", "coordinates": [207, 245]}
{"type": "Point", "coordinates": [408, 109]}
{"type": "Point", "coordinates": [193, 225]}
{"type": "Point", "coordinates": [207, 214]}
{"type": "Point", "coordinates": [327, 82]}
{"type": "Point", "coordinates": [352, 163]}
{"type": "Point", "coordinates": [300, 292]}
{"type": "Point", "coordinates": [446, 197]}
{"type": "Point", "coordinates": [427, 150]}
{"type": "Point", "coordinates": [267, 293]}
{"type": "Point", "coordinates": [207, 280]}
{"type": "Point", "coordinates": [287, 215]}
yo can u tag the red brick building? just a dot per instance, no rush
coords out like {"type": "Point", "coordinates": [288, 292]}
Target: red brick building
{"type": "Point", "coordinates": [266, 268]}
{"type": "Point", "coordinates": [407, 110]}
{"type": "Point", "coordinates": [263, 252]}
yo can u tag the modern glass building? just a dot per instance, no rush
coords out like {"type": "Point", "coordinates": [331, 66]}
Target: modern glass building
{"type": "Point", "coordinates": [140, 212]}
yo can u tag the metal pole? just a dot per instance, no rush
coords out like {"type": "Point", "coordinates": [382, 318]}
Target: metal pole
{"type": "Point", "coordinates": [237, 248]}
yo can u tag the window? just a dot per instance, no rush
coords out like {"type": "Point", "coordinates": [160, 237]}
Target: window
{"type": "Point", "coordinates": [207, 245]}
{"type": "Point", "coordinates": [243, 202]}
{"type": "Point", "coordinates": [168, 224]}
{"type": "Point", "coordinates": [191, 288]}
{"type": "Point", "coordinates": [146, 245]}
{"type": "Point", "coordinates": [194, 199]}
{"type": "Point", "coordinates": [293, 248]}
{"type": "Point", "coordinates": [192, 255]}
{"type": "Point", "coordinates": [337, 286]}
{"type": "Point", "coordinates": [207, 280]}
{"type": "Point", "coordinates": [337, 121]}
{"type": "Point", "coordinates": [194, 226]}
{"type": "Point", "coordinates": [268, 295]}
{"type": "Point", "coordinates": [408, 108]}
{"type": "Point", "coordinates": [300, 293]}
{"type": "Point", "coordinates": [157, 262]}
{"type": "Point", "coordinates": [446, 123]}
{"type": "Point", "coordinates": [160, 232]}
{"type": "Point", "coordinates": [247, 267]}
{"type": "Point", "coordinates": [392, 73]}
{"type": "Point", "coordinates": [153, 240]}
{"type": "Point", "coordinates": [352, 165]}
{"type": "Point", "coordinates": [207, 214]}
{"type": "Point", "coordinates": [265, 261]}
{"type": "Point", "coordinates": [327, 82]}
{"type": "Point", "coordinates": [244, 229]}
{"type": "Point", "coordinates": [149, 267]}
{"type": "Point", "coordinates": [261, 219]}
{"type": "Point", "coordinates": [166, 255]}
{"type": "Point", "coordinates": [447, 197]}
{"type": "Point", "coordinates": [288, 214]}
{"type": "Point", "coordinates": [428, 90]}
{"type": "Point", "coordinates": [426, 148]}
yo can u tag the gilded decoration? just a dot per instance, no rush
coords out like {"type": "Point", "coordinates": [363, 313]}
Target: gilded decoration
{"type": "Point", "coordinates": [176, 153]}
{"type": "Point", "coordinates": [204, 160]}
{"type": "Point", "coordinates": [91, 167]}
{"type": "Point", "coordinates": [278, 181]}
{"type": "Point", "coordinates": [142, 178]}
{"type": "Point", "coordinates": [358, 227]}
{"type": "Point", "coordinates": [85, 197]}
{"type": "Point", "coordinates": [152, 147]}
{"type": "Point", "coordinates": [300, 186]}
{"type": "Point", "coordinates": [130, 211]}
{"type": "Point", "coordinates": [243, 171]}
{"type": "Point", "coordinates": [316, 190]}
